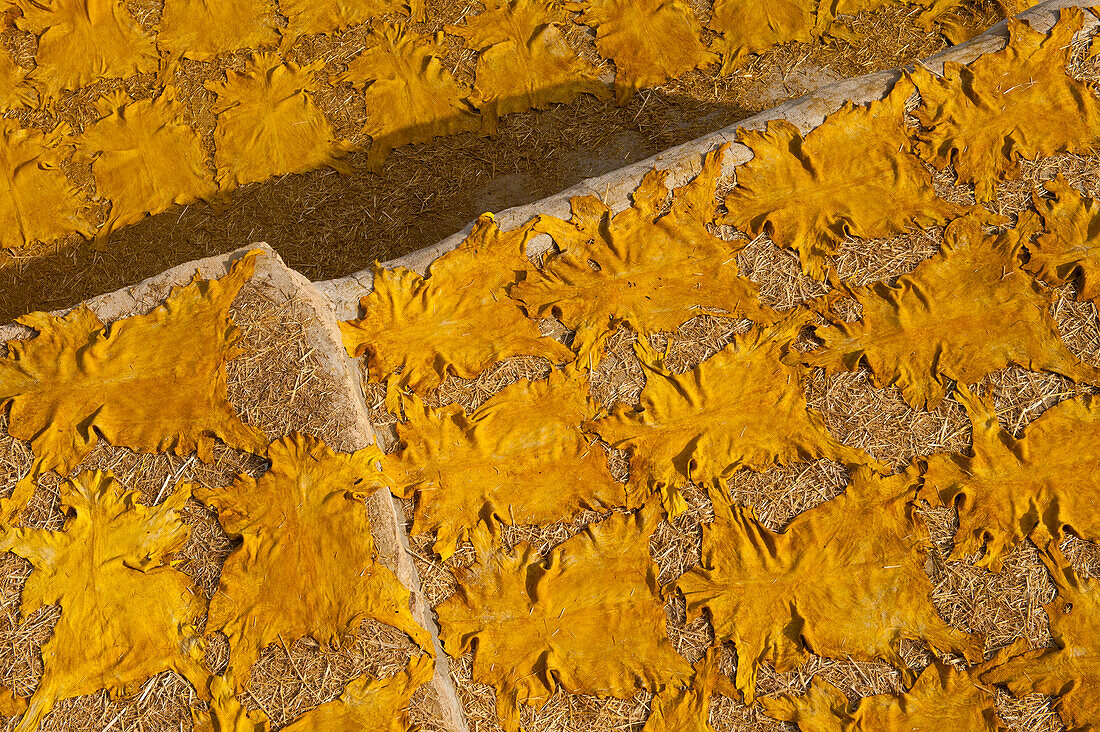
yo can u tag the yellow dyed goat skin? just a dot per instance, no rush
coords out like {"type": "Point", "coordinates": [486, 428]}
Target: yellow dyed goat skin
{"type": "Point", "coordinates": [202, 29]}
{"type": "Point", "coordinates": [524, 62]}
{"type": "Point", "coordinates": [751, 26]}
{"type": "Point", "coordinates": [456, 320]}
{"type": "Point", "coordinates": [853, 175]}
{"type": "Point", "coordinates": [306, 17]}
{"type": "Point", "coordinates": [268, 124]}
{"type": "Point", "coordinates": [742, 408]}
{"type": "Point", "coordinates": [143, 158]}
{"type": "Point", "coordinates": [1071, 669]}
{"type": "Point", "coordinates": [686, 708]}
{"type": "Point", "coordinates": [520, 458]}
{"type": "Point", "coordinates": [1017, 103]}
{"type": "Point", "coordinates": [1068, 248]}
{"type": "Point", "coordinates": [588, 619]}
{"type": "Point", "coordinates": [125, 614]}
{"type": "Point", "coordinates": [40, 204]}
{"type": "Point", "coordinates": [1007, 487]}
{"type": "Point", "coordinates": [960, 315]}
{"type": "Point", "coordinates": [226, 713]}
{"type": "Point", "coordinates": [152, 383]}
{"type": "Point", "coordinates": [307, 564]}
{"type": "Point", "coordinates": [829, 584]}
{"type": "Point", "coordinates": [410, 96]}
{"type": "Point", "coordinates": [81, 42]}
{"type": "Point", "coordinates": [644, 267]}
{"type": "Point", "coordinates": [625, 33]}
{"type": "Point", "coordinates": [943, 699]}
